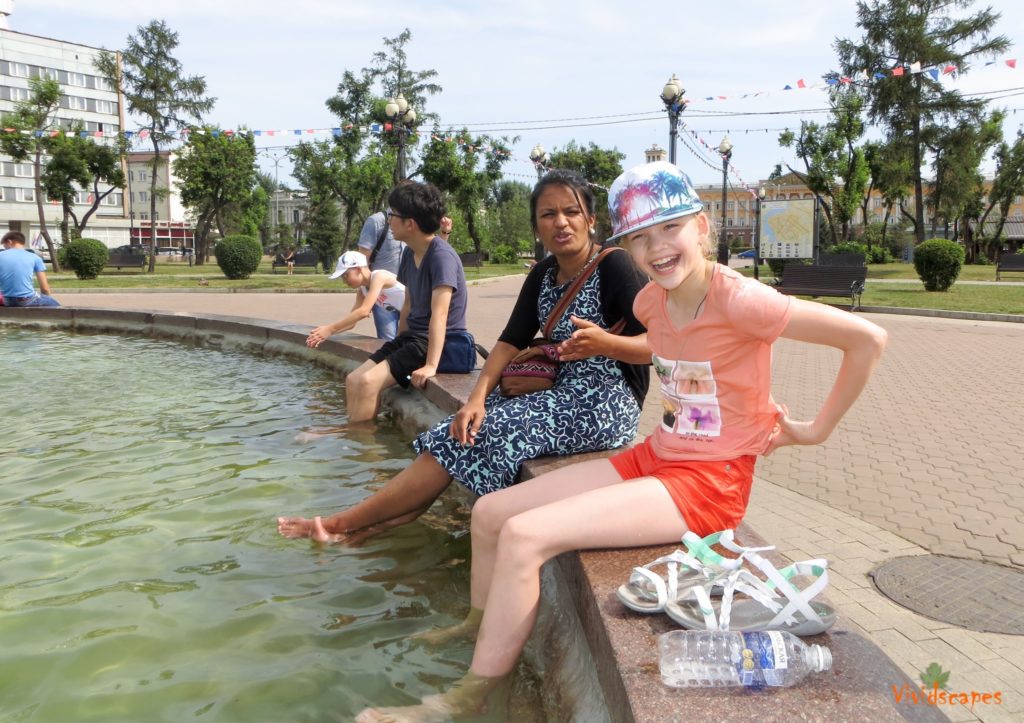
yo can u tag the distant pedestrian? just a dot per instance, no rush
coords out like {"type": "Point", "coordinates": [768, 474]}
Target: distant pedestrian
{"type": "Point", "coordinates": [383, 252]}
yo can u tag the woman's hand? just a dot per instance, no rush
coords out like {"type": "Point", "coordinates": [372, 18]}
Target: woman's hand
{"type": "Point", "coordinates": [318, 336]}
{"type": "Point", "coordinates": [587, 341]}
{"type": "Point", "coordinates": [467, 422]}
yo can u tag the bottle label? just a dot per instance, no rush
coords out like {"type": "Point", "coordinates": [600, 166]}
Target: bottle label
{"type": "Point", "coordinates": [763, 661]}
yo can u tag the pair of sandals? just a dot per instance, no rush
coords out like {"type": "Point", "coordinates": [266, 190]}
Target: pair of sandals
{"type": "Point", "coordinates": [697, 574]}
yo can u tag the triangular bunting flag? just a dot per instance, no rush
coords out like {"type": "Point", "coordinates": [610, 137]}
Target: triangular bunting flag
{"type": "Point", "coordinates": [898, 70]}
{"type": "Point", "coordinates": [801, 84]}
{"type": "Point", "coordinates": [1012, 62]}
{"type": "Point", "coordinates": [915, 67]}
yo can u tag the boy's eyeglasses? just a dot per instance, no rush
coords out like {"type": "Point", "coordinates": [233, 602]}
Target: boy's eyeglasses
{"type": "Point", "coordinates": [392, 214]}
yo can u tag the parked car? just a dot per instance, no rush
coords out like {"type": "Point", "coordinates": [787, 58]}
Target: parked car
{"type": "Point", "coordinates": [168, 251]}
{"type": "Point", "coordinates": [748, 254]}
{"type": "Point", "coordinates": [141, 250]}
{"type": "Point", "coordinates": [44, 254]}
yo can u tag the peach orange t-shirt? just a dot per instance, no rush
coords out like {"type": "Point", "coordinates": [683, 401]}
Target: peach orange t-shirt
{"type": "Point", "coordinates": [715, 373]}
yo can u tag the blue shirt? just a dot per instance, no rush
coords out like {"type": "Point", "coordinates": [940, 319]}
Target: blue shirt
{"type": "Point", "coordinates": [17, 266]}
{"type": "Point", "coordinates": [440, 267]}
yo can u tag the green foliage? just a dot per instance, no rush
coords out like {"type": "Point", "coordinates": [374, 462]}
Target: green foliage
{"type": "Point", "coordinates": [599, 166]}
{"type": "Point", "coordinates": [238, 256]}
{"type": "Point", "coordinates": [217, 179]}
{"type": "Point", "coordinates": [913, 112]}
{"type": "Point", "coordinates": [849, 247]}
{"type": "Point", "coordinates": [507, 220]}
{"type": "Point", "coordinates": [879, 255]}
{"type": "Point", "coordinates": [504, 254]}
{"type": "Point", "coordinates": [466, 173]}
{"type": "Point", "coordinates": [85, 256]}
{"type": "Point", "coordinates": [77, 162]}
{"type": "Point", "coordinates": [836, 168]}
{"type": "Point", "coordinates": [938, 262]}
{"type": "Point", "coordinates": [982, 260]}
{"type": "Point", "coordinates": [324, 231]}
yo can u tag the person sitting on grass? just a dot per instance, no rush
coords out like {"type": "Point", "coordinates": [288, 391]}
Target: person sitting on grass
{"type": "Point", "coordinates": [435, 302]}
{"type": "Point", "coordinates": [373, 289]}
{"type": "Point", "coordinates": [695, 471]}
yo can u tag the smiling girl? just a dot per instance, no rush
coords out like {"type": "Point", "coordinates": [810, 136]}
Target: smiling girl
{"type": "Point", "coordinates": [708, 324]}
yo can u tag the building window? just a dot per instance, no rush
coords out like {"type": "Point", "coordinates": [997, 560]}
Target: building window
{"type": "Point", "coordinates": [143, 175]}
{"type": "Point", "coordinates": [23, 170]}
{"type": "Point", "coordinates": [143, 196]}
{"type": "Point", "coordinates": [19, 69]}
{"type": "Point", "coordinates": [26, 194]}
{"type": "Point", "coordinates": [3, 195]}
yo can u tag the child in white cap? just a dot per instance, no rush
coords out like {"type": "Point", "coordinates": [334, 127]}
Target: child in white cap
{"type": "Point", "coordinates": [711, 331]}
{"type": "Point", "coordinates": [373, 288]}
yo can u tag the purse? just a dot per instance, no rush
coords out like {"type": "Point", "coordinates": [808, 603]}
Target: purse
{"type": "Point", "coordinates": [535, 368]}
{"type": "Point", "coordinates": [458, 355]}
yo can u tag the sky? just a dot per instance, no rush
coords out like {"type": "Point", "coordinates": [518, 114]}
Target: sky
{"type": "Point", "coordinates": [546, 71]}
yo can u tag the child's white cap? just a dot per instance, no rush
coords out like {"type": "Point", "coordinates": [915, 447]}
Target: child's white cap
{"type": "Point", "coordinates": [349, 260]}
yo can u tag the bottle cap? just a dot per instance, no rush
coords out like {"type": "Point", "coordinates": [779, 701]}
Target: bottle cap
{"type": "Point", "coordinates": [820, 658]}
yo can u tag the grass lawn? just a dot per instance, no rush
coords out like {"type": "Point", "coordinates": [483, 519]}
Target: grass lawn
{"type": "Point", "coordinates": [177, 275]}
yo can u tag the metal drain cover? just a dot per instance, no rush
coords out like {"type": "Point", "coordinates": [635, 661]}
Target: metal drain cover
{"type": "Point", "coordinates": [980, 596]}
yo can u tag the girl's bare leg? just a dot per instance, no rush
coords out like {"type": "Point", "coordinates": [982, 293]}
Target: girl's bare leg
{"type": "Point", "coordinates": [412, 490]}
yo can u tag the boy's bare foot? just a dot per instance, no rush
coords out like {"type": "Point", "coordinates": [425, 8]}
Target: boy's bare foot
{"type": "Point", "coordinates": [301, 527]}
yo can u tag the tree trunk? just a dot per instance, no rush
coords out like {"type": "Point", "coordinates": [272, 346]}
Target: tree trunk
{"type": "Point", "coordinates": [471, 227]}
{"type": "Point", "coordinates": [37, 170]}
{"type": "Point", "coordinates": [152, 201]}
{"type": "Point", "coordinates": [918, 183]}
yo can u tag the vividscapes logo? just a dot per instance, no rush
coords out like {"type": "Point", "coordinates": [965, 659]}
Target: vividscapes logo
{"type": "Point", "coordinates": [934, 691]}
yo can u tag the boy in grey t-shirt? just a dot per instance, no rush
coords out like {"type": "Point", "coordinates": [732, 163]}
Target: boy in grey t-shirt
{"type": "Point", "coordinates": [435, 302]}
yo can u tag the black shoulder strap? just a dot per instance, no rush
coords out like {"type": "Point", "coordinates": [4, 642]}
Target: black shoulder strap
{"type": "Point", "coordinates": [380, 242]}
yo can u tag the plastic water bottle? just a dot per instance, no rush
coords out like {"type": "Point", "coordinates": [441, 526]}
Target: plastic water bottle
{"type": "Point", "coordinates": [718, 658]}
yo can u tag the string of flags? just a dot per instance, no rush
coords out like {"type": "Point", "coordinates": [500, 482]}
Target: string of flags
{"type": "Point", "coordinates": [903, 69]}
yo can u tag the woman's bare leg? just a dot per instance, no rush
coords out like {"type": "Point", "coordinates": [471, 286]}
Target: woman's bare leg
{"type": "Point", "coordinates": [412, 490]}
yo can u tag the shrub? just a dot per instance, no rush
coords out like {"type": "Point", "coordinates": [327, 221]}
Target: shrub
{"type": "Point", "coordinates": [85, 256]}
{"type": "Point", "coordinates": [880, 255]}
{"type": "Point", "coordinates": [238, 256]}
{"type": "Point", "coordinates": [777, 265]}
{"type": "Point", "coordinates": [849, 247]}
{"type": "Point", "coordinates": [503, 254]}
{"type": "Point", "coordinates": [938, 262]}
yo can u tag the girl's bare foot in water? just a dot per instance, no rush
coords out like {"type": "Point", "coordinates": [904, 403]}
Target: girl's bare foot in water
{"type": "Point", "coordinates": [301, 527]}
{"type": "Point", "coordinates": [468, 697]}
{"type": "Point", "coordinates": [465, 630]}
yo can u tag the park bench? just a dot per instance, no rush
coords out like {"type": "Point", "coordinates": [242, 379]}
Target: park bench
{"type": "Point", "coordinates": [471, 258]}
{"type": "Point", "coordinates": [841, 260]}
{"type": "Point", "coordinates": [1009, 263]}
{"type": "Point", "coordinates": [303, 259]}
{"type": "Point", "coordinates": [118, 261]}
{"type": "Point", "coordinates": [816, 280]}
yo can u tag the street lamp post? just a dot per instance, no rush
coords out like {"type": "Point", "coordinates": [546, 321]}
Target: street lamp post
{"type": "Point", "coordinates": [131, 228]}
{"type": "Point", "coordinates": [672, 97]}
{"type": "Point", "coordinates": [402, 116]}
{"type": "Point", "coordinates": [761, 193]}
{"type": "Point", "coordinates": [541, 160]}
{"type": "Point", "coordinates": [725, 148]}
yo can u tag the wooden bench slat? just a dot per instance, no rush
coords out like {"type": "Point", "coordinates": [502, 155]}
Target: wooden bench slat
{"type": "Point", "coordinates": [816, 280]}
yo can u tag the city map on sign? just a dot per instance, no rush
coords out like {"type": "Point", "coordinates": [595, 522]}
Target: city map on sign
{"type": "Point", "coordinates": [787, 229]}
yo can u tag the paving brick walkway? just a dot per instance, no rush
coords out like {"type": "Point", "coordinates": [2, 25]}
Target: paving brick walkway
{"type": "Point", "coordinates": [929, 460]}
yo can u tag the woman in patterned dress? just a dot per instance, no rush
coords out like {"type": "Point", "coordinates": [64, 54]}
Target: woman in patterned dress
{"type": "Point", "coordinates": [594, 404]}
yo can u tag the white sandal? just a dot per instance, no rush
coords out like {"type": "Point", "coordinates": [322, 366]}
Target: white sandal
{"type": "Point", "coordinates": [699, 565]}
{"type": "Point", "coordinates": [763, 609]}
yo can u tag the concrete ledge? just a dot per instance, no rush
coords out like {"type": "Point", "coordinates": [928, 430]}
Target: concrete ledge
{"type": "Point", "coordinates": [622, 644]}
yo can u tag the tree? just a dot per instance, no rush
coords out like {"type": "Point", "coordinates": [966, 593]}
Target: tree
{"type": "Point", "coordinates": [323, 230]}
{"type": "Point", "coordinates": [915, 106]}
{"type": "Point", "coordinates": [837, 170]}
{"type": "Point", "coordinates": [156, 90]}
{"type": "Point", "coordinates": [32, 120]}
{"type": "Point", "coordinates": [598, 165]}
{"type": "Point", "coordinates": [216, 174]}
{"type": "Point", "coordinates": [80, 163]}
{"type": "Point", "coordinates": [508, 220]}
{"type": "Point", "coordinates": [466, 168]}
{"type": "Point", "coordinates": [1007, 184]}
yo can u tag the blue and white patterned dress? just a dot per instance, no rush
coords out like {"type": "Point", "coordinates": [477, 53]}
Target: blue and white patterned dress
{"type": "Point", "coordinates": [590, 408]}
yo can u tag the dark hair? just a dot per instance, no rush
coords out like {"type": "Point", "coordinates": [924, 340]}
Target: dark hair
{"type": "Point", "coordinates": [422, 202]}
{"type": "Point", "coordinates": [16, 237]}
{"type": "Point", "coordinates": [571, 180]}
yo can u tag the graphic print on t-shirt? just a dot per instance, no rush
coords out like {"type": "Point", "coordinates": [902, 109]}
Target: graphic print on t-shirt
{"type": "Point", "coordinates": [689, 397]}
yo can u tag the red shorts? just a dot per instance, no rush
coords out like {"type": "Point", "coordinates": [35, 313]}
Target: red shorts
{"type": "Point", "coordinates": [711, 495]}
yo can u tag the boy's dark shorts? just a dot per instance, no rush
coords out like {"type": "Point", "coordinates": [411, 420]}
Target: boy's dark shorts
{"type": "Point", "coordinates": [404, 354]}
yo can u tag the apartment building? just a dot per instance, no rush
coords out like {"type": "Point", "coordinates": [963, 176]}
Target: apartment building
{"type": "Point", "coordinates": [171, 223]}
{"type": "Point", "coordinates": [86, 98]}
